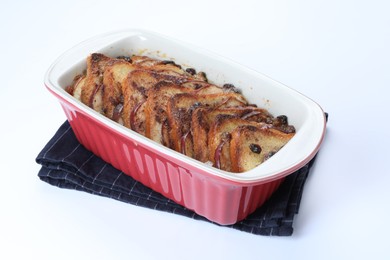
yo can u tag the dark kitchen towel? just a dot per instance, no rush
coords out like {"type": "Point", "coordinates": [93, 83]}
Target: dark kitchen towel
{"type": "Point", "coordinates": [67, 164]}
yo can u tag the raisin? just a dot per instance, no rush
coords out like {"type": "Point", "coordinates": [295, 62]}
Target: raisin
{"type": "Point", "coordinates": [283, 119]}
{"type": "Point", "coordinates": [126, 58]}
{"type": "Point", "coordinates": [228, 85]}
{"type": "Point", "coordinates": [230, 88]}
{"type": "Point", "coordinates": [166, 62]}
{"type": "Point", "coordinates": [191, 71]}
{"type": "Point", "coordinates": [255, 148]}
{"type": "Point", "coordinates": [198, 86]}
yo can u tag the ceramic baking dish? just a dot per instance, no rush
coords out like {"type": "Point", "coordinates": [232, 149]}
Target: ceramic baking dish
{"type": "Point", "coordinates": [220, 196]}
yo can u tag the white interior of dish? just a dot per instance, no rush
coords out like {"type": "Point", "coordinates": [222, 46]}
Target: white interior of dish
{"type": "Point", "coordinates": [303, 113]}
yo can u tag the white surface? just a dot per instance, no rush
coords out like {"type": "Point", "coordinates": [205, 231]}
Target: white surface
{"type": "Point", "coordinates": [335, 52]}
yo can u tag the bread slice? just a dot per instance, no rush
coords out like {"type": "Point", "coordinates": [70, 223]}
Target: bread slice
{"type": "Point", "coordinates": [156, 126]}
{"type": "Point", "coordinates": [167, 67]}
{"type": "Point", "coordinates": [76, 87]}
{"type": "Point", "coordinates": [92, 90]}
{"type": "Point", "coordinates": [195, 84]}
{"type": "Point", "coordinates": [134, 89]}
{"type": "Point", "coordinates": [113, 76]}
{"type": "Point", "coordinates": [219, 137]}
{"type": "Point", "coordinates": [250, 146]}
{"type": "Point", "coordinates": [144, 61]}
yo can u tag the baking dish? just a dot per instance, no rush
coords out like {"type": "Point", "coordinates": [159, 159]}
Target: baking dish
{"type": "Point", "coordinates": [220, 196]}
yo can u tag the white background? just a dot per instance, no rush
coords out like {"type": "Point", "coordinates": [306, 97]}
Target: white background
{"type": "Point", "coordinates": [336, 52]}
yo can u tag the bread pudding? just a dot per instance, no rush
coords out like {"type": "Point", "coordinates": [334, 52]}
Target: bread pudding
{"type": "Point", "coordinates": [179, 108]}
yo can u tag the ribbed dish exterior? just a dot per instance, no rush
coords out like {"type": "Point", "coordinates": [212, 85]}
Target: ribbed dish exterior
{"type": "Point", "coordinates": [219, 200]}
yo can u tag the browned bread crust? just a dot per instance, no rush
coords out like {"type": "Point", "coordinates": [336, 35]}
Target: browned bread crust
{"type": "Point", "coordinates": [113, 76]}
{"type": "Point", "coordinates": [156, 127]}
{"type": "Point", "coordinates": [135, 87]}
{"type": "Point", "coordinates": [92, 91]}
{"type": "Point", "coordinates": [251, 145]}
{"type": "Point", "coordinates": [219, 138]}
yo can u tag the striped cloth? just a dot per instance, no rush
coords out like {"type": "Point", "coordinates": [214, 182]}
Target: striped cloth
{"type": "Point", "coordinates": [67, 164]}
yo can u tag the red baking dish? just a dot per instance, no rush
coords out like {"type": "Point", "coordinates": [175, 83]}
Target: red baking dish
{"type": "Point", "coordinates": [220, 196]}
